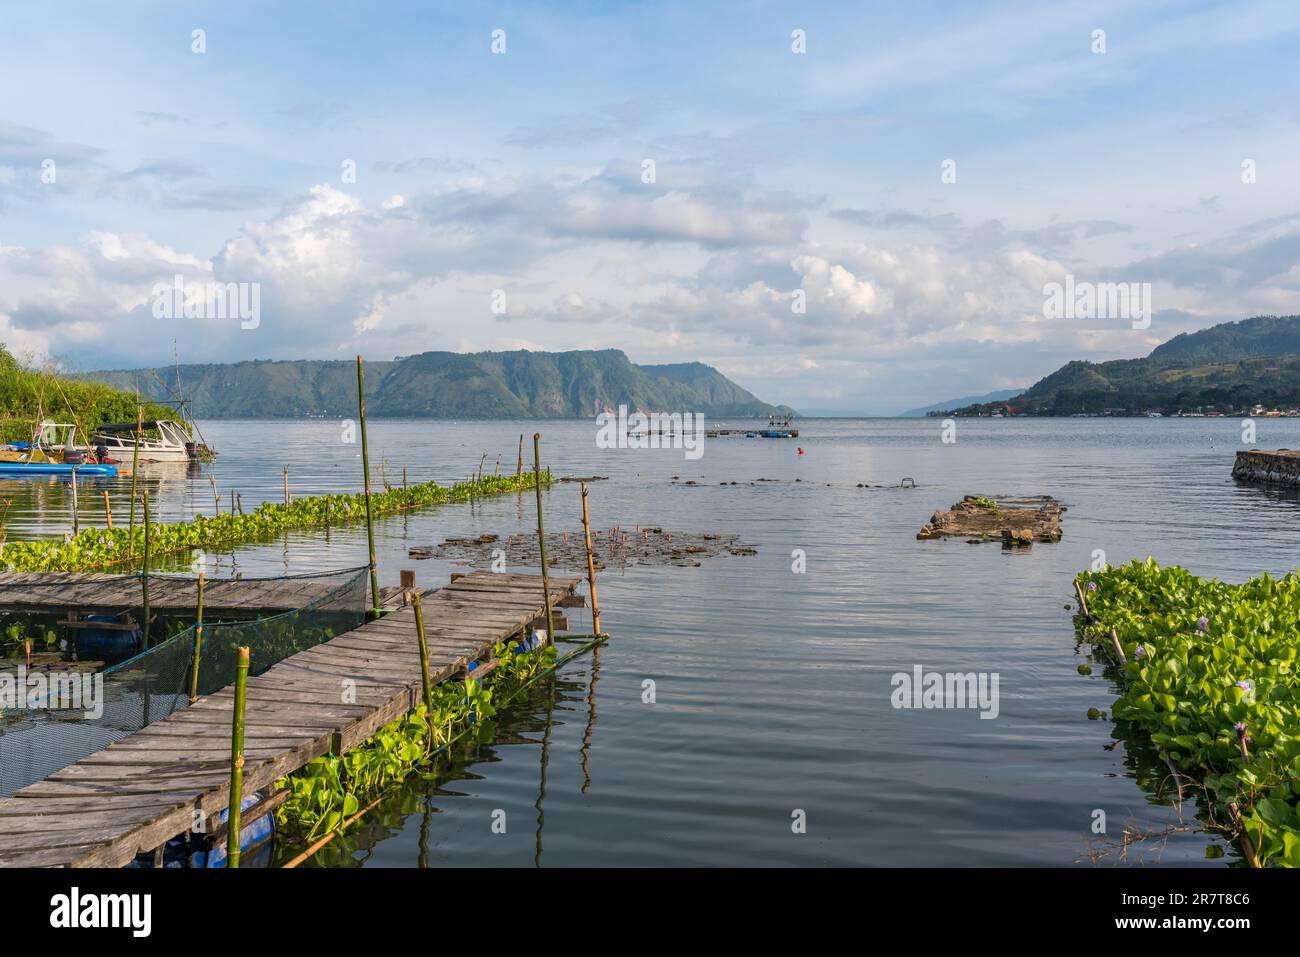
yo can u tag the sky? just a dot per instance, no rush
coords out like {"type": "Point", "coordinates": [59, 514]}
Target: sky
{"type": "Point", "coordinates": [847, 208]}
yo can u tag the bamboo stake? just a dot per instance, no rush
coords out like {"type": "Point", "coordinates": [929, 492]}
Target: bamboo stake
{"type": "Point", "coordinates": [108, 511]}
{"type": "Point", "coordinates": [216, 498]}
{"type": "Point", "coordinates": [519, 468]}
{"type": "Point", "coordinates": [1247, 846]}
{"type": "Point", "coordinates": [144, 576]}
{"type": "Point", "coordinates": [1119, 649]}
{"type": "Point", "coordinates": [424, 663]}
{"type": "Point", "coordinates": [198, 645]}
{"type": "Point", "coordinates": [237, 759]}
{"type": "Point", "coordinates": [135, 471]}
{"type": "Point", "coordinates": [541, 534]}
{"type": "Point", "coordinates": [406, 492]}
{"type": "Point", "coordinates": [232, 501]}
{"type": "Point", "coordinates": [286, 474]}
{"type": "Point", "coordinates": [76, 525]}
{"type": "Point", "coordinates": [591, 563]}
{"type": "Point", "coordinates": [365, 464]}
{"type": "Point", "coordinates": [239, 497]}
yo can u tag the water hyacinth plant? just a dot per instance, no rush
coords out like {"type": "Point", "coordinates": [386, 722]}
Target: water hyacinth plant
{"type": "Point", "coordinates": [328, 790]}
{"type": "Point", "coordinates": [1216, 686]}
{"type": "Point", "coordinates": [99, 548]}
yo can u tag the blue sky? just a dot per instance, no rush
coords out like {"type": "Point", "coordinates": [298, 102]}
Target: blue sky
{"type": "Point", "coordinates": [522, 173]}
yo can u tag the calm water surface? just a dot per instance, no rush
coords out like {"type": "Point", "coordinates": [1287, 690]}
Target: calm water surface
{"type": "Point", "coordinates": [773, 688]}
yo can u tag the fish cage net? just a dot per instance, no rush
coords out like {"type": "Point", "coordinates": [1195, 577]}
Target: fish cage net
{"type": "Point", "coordinates": [65, 707]}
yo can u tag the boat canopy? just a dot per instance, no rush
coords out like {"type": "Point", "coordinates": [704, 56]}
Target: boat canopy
{"type": "Point", "coordinates": [130, 426]}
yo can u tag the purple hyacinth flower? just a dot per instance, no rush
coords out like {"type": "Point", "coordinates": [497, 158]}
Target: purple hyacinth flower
{"type": "Point", "coordinates": [1203, 624]}
{"type": "Point", "coordinates": [1139, 652]}
{"type": "Point", "coordinates": [1092, 586]}
{"type": "Point", "coordinates": [1245, 686]}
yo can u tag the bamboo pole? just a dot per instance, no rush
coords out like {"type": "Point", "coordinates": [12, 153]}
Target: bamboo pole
{"type": "Point", "coordinates": [1119, 649]}
{"type": "Point", "coordinates": [286, 483]}
{"type": "Point", "coordinates": [424, 663]}
{"type": "Point", "coordinates": [232, 501]}
{"type": "Point", "coordinates": [365, 464]}
{"type": "Point", "coordinates": [144, 571]}
{"type": "Point", "coordinates": [591, 563]}
{"type": "Point", "coordinates": [239, 497]}
{"type": "Point", "coordinates": [541, 534]}
{"type": "Point", "coordinates": [519, 467]}
{"type": "Point", "coordinates": [237, 759]}
{"type": "Point", "coordinates": [406, 492]}
{"type": "Point", "coordinates": [108, 511]}
{"type": "Point", "coordinates": [216, 497]}
{"type": "Point", "coordinates": [198, 645]}
{"type": "Point", "coordinates": [135, 471]}
{"type": "Point", "coordinates": [76, 524]}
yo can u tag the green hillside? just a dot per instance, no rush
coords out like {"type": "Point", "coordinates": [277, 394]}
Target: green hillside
{"type": "Point", "coordinates": [520, 384]}
{"type": "Point", "coordinates": [1227, 368]}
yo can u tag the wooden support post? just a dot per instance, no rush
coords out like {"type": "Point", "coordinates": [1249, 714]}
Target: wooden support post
{"type": "Point", "coordinates": [237, 759]}
{"type": "Point", "coordinates": [135, 472]}
{"type": "Point", "coordinates": [406, 492]}
{"type": "Point", "coordinates": [519, 468]}
{"type": "Point", "coordinates": [76, 524]}
{"type": "Point", "coordinates": [541, 533]}
{"type": "Point", "coordinates": [144, 570]}
{"type": "Point", "coordinates": [198, 645]}
{"type": "Point", "coordinates": [286, 480]}
{"type": "Point", "coordinates": [108, 511]}
{"type": "Point", "coordinates": [424, 662]}
{"type": "Point", "coordinates": [407, 580]}
{"type": "Point", "coordinates": [232, 501]}
{"type": "Point", "coordinates": [591, 563]}
{"type": "Point", "coordinates": [365, 464]}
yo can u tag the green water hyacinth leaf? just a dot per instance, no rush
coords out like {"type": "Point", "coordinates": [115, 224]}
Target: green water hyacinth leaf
{"type": "Point", "coordinates": [101, 548]}
{"type": "Point", "coordinates": [1214, 687]}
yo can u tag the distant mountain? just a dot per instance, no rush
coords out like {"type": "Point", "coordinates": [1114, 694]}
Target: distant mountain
{"type": "Point", "coordinates": [1226, 368]}
{"type": "Point", "coordinates": [482, 385]}
{"type": "Point", "coordinates": [999, 396]}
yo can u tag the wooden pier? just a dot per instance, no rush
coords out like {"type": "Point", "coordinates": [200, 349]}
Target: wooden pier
{"type": "Point", "coordinates": [233, 597]}
{"type": "Point", "coordinates": [153, 785]}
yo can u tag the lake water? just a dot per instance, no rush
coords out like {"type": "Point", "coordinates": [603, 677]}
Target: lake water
{"type": "Point", "coordinates": [772, 688]}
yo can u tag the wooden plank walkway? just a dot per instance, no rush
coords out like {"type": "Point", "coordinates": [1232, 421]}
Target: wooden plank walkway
{"type": "Point", "coordinates": [147, 788]}
{"type": "Point", "coordinates": [104, 593]}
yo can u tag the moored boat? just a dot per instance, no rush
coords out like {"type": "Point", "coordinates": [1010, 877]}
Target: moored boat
{"type": "Point", "coordinates": [170, 444]}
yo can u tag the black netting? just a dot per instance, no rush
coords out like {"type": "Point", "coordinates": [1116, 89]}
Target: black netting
{"type": "Point", "coordinates": [68, 705]}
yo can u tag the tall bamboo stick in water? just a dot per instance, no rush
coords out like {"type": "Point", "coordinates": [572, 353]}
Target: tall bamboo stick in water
{"type": "Point", "coordinates": [237, 759]}
{"type": "Point", "coordinates": [108, 511]}
{"type": "Point", "coordinates": [135, 471]}
{"type": "Point", "coordinates": [286, 483]}
{"type": "Point", "coordinates": [198, 645]}
{"type": "Point", "coordinates": [216, 498]}
{"type": "Point", "coordinates": [76, 526]}
{"type": "Point", "coordinates": [591, 563]}
{"type": "Point", "coordinates": [519, 468]}
{"type": "Point", "coordinates": [424, 663]}
{"type": "Point", "coordinates": [541, 534]}
{"type": "Point", "coordinates": [365, 464]}
{"type": "Point", "coordinates": [144, 571]}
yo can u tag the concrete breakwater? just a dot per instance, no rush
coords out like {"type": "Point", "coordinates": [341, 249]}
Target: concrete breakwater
{"type": "Point", "coordinates": [1281, 467]}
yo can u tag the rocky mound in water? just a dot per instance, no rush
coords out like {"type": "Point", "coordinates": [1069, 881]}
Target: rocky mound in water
{"type": "Point", "coordinates": [615, 547]}
{"type": "Point", "coordinates": [1018, 522]}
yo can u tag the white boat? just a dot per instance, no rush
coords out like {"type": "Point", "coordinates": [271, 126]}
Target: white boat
{"type": "Point", "coordinates": [171, 444]}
